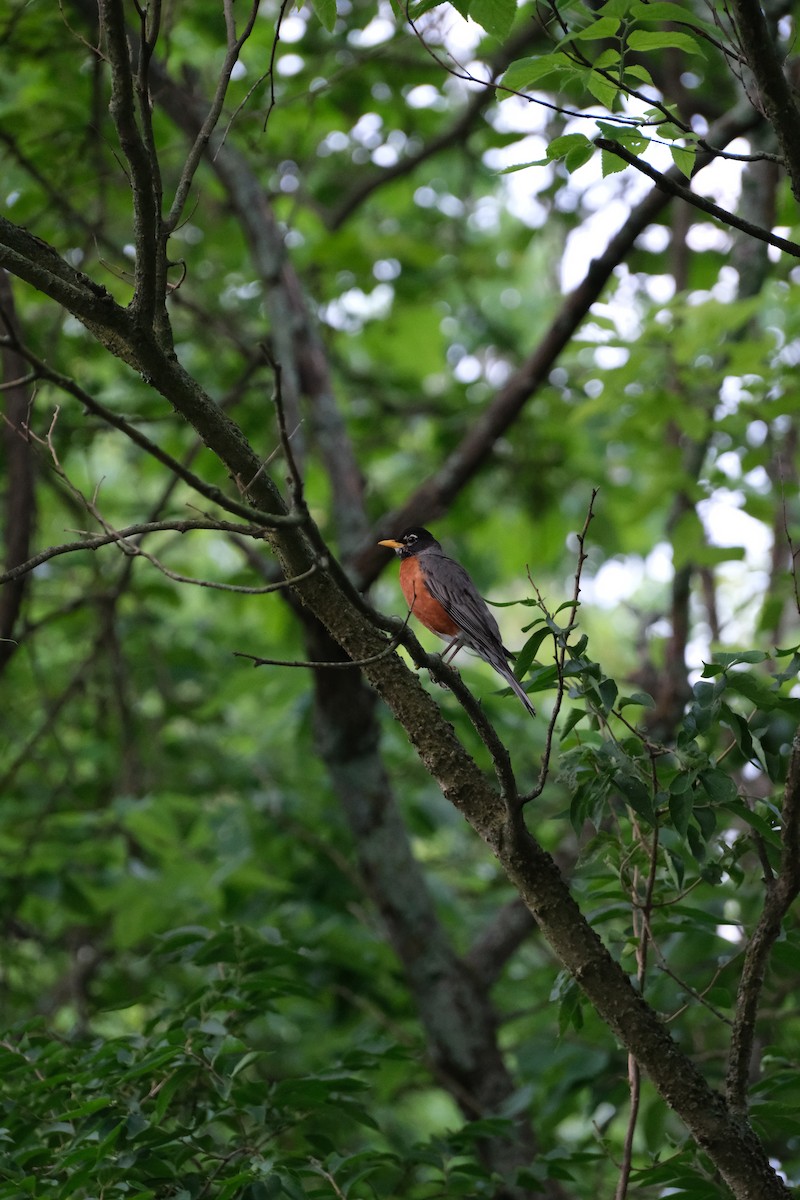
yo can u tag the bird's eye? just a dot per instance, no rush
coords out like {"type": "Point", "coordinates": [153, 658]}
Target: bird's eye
{"type": "Point", "coordinates": [411, 537]}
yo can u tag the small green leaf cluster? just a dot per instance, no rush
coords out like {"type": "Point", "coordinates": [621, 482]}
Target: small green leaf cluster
{"type": "Point", "coordinates": [612, 56]}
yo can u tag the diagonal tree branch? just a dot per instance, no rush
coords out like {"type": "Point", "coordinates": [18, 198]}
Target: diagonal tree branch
{"type": "Point", "coordinates": [673, 187]}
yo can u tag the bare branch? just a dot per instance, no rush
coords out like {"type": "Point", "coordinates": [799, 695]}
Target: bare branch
{"type": "Point", "coordinates": [272, 56]}
{"type": "Point", "coordinates": [264, 590]}
{"type": "Point", "coordinates": [37, 263]}
{"type": "Point", "coordinates": [121, 536]}
{"type": "Point", "coordinates": [670, 184]}
{"type": "Point", "coordinates": [314, 664]}
{"type": "Point", "coordinates": [145, 185]}
{"type": "Point", "coordinates": [234, 49]}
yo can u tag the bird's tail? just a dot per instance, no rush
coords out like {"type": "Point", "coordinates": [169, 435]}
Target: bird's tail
{"type": "Point", "coordinates": [517, 687]}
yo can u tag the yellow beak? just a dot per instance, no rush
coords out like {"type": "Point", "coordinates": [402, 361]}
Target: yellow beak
{"type": "Point", "coordinates": [391, 544]}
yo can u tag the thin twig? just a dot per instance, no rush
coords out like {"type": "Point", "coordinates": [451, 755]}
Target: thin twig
{"type": "Point", "coordinates": [233, 50]}
{"type": "Point", "coordinates": [121, 536]}
{"type": "Point", "coordinates": [270, 74]}
{"type": "Point", "coordinates": [313, 665]}
{"type": "Point", "coordinates": [560, 657]}
{"type": "Point", "coordinates": [464, 74]}
{"type": "Point", "coordinates": [298, 504]}
{"type": "Point", "coordinates": [242, 589]}
{"type": "Point", "coordinates": [700, 997]}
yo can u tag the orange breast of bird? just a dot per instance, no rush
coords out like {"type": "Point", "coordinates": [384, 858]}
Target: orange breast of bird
{"type": "Point", "coordinates": [427, 610]}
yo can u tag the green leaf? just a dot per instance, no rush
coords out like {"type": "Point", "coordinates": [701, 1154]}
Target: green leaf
{"type": "Point", "coordinates": [697, 844]}
{"type": "Point", "coordinates": [418, 8]}
{"type": "Point", "coordinates": [570, 1004]}
{"type": "Point", "coordinates": [705, 694]}
{"type": "Point", "coordinates": [536, 162]}
{"type": "Point", "coordinates": [88, 1107]}
{"type": "Point", "coordinates": [768, 830]}
{"type": "Point", "coordinates": [496, 16]}
{"type": "Point", "coordinates": [636, 73]}
{"type": "Point", "coordinates": [598, 30]}
{"type": "Point", "coordinates": [637, 794]}
{"type": "Point", "coordinates": [643, 699]}
{"type": "Point", "coordinates": [325, 11]}
{"type": "Point", "coordinates": [646, 40]}
{"type": "Point", "coordinates": [706, 820]}
{"type": "Point", "coordinates": [681, 807]}
{"type": "Point", "coordinates": [529, 651]}
{"type": "Point", "coordinates": [667, 10]}
{"type": "Point", "coordinates": [573, 717]}
{"type": "Point", "coordinates": [726, 659]}
{"type": "Point", "coordinates": [752, 688]}
{"type": "Point", "coordinates": [740, 730]}
{"type": "Point", "coordinates": [611, 163]}
{"type": "Point", "coordinates": [632, 139]}
{"type": "Point", "coordinates": [676, 867]}
{"type": "Point", "coordinates": [684, 158]}
{"type": "Point", "coordinates": [526, 72]}
{"type": "Point", "coordinates": [718, 786]}
{"type": "Point", "coordinates": [602, 88]}
{"type": "Point", "coordinates": [608, 694]}
{"type": "Point", "coordinates": [577, 157]}
{"type": "Point", "coordinates": [561, 146]}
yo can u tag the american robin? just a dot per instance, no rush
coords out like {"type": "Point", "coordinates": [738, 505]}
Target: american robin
{"type": "Point", "coordinates": [444, 599]}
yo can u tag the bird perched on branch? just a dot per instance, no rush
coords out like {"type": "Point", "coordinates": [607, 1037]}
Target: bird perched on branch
{"type": "Point", "coordinates": [443, 598]}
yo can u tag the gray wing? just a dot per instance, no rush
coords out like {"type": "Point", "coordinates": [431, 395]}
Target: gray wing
{"type": "Point", "coordinates": [450, 584]}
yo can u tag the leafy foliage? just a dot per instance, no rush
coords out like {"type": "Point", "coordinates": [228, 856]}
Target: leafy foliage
{"type": "Point", "coordinates": [248, 949]}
